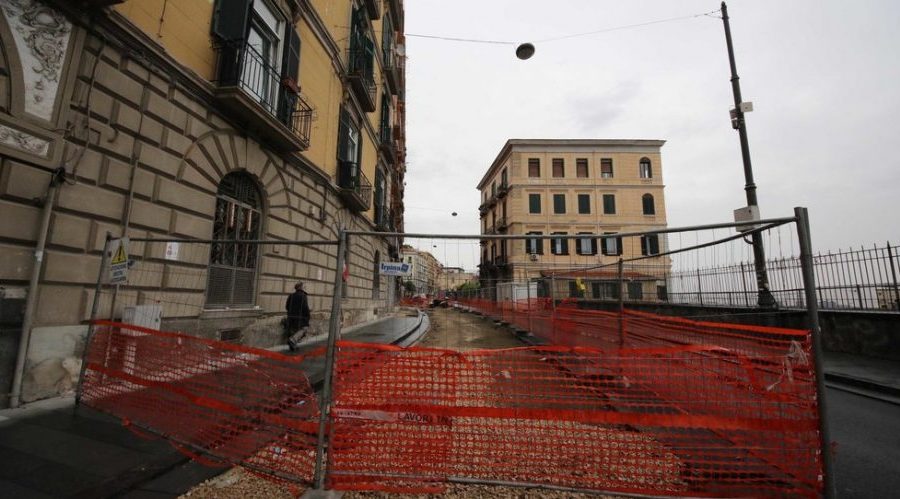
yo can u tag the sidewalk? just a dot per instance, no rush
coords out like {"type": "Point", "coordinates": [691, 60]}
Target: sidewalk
{"type": "Point", "coordinates": [49, 449]}
{"type": "Point", "coordinates": [880, 376]}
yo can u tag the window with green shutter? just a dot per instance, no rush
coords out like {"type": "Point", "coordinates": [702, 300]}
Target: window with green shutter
{"type": "Point", "coordinates": [609, 204]}
{"type": "Point", "coordinates": [559, 204]}
{"type": "Point", "coordinates": [584, 204]}
{"type": "Point", "coordinates": [534, 203]}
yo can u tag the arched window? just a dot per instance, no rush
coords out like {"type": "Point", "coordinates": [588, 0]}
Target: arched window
{"type": "Point", "coordinates": [649, 207]}
{"type": "Point", "coordinates": [232, 264]}
{"type": "Point", "coordinates": [646, 169]}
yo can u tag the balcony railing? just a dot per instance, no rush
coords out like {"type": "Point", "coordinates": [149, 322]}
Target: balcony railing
{"type": "Point", "coordinates": [490, 231]}
{"type": "Point", "coordinates": [252, 88]}
{"type": "Point", "coordinates": [355, 188]}
{"type": "Point", "coordinates": [384, 220]}
{"type": "Point", "coordinates": [360, 75]}
{"type": "Point", "coordinates": [501, 224]}
{"type": "Point", "coordinates": [393, 70]}
{"type": "Point", "coordinates": [386, 141]}
{"type": "Point", "coordinates": [502, 190]}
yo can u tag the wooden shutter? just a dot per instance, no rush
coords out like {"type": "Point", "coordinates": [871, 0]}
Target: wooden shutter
{"type": "Point", "coordinates": [230, 19]}
{"type": "Point", "coordinates": [291, 66]}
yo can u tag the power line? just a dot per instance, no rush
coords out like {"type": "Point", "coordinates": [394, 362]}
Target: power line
{"type": "Point", "coordinates": [564, 37]}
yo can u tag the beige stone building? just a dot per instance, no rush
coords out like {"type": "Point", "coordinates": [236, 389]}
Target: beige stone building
{"type": "Point", "coordinates": [572, 188]}
{"type": "Point", "coordinates": [453, 277]}
{"type": "Point", "coordinates": [192, 119]}
{"type": "Point", "coordinates": [425, 270]}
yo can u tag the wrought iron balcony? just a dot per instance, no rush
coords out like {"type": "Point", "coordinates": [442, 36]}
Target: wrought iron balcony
{"type": "Point", "coordinates": [360, 75]}
{"type": "Point", "coordinates": [490, 231]}
{"type": "Point", "coordinates": [373, 8]}
{"type": "Point", "coordinates": [393, 70]}
{"type": "Point", "coordinates": [501, 224]}
{"type": "Point", "coordinates": [355, 189]}
{"type": "Point", "coordinates": [386, 142]}
{"type": "Point", "coordinates": [501, 261]}
{"type": "Point", "coordinates": [502, 190]}
{"type": "Point", "coordinates": [255, 92]}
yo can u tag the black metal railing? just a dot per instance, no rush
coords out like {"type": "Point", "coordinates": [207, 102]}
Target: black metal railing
{"type": "Point", "coordinates": [502, 189]}
{"type": "Point", "coordinates": [242, 66]}
{"type": "Point", "coordinates": [355, 188]}
{"type": "Point", "coordinates": [384, 220]}
{"type": "Point", "coordinates": [360, 74]}
{"type": "Point", "coordinates": [863, 279]}
{"type": "Point", "coordinates": [386, 140]}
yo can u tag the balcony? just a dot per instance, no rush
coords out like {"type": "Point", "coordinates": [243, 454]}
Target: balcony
{"type": "Point", "coordinates": [373, 9]}
{"type": "Point", "coordinates": [393, 71]}
{"type": "Point", "coordinates": [386, 142]}
{"type": "Point", "coordinates": [354, 188]}
{"type": "Point", "coordinates": [501, 261]}
{"type": "Point", "coordinates": [360, 77]}
{"type": "Point", "coordinates": [253, 91]}
{"type": "Point", "coordinates": [502, 190]}
{"type": "Point", "coordinates": [490, 231]}
{"type": "Point", "coordinates": [501, 224]}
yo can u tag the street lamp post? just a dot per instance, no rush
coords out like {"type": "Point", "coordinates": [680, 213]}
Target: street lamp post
{"type": "Point", "coordinates": [764, 298]}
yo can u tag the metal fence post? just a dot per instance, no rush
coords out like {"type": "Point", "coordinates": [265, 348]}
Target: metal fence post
{"type": "Point", "coordinates": [621, 282]}
{"type": "Point", "coordinates": [95, 307]}
{"type": "Point", "coordinates": [699, 288]}
{"type": "Point", "coordinates": [334, 327]}
{"type": "Point", "coordinates": [894, 276]}
{"type": "Point", "coordinates": [528, 295]}
{"type": "Point", "coordinates": [812, 314]}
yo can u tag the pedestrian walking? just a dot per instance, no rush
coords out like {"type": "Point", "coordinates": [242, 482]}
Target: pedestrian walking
{"type": "Point", "coordinates": [297, 306]}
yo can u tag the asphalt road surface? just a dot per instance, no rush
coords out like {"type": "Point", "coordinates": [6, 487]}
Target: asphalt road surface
{"type": "Point", "coordinates": [867, 432]}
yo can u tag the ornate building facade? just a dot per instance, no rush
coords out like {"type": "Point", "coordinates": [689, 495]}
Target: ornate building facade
{"type": "Point", "coordinates": [193, 119]}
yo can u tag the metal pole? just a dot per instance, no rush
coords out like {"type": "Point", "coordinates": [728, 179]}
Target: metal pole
{"type": "Point", "coordinates": [528, 296]}
{"type": "Point", "coordinates": [621, 269]}
{"type": "Point", "coordinates": [699, 288]}
{"type": "Point", "coordinates": [95, 307]}
{"type": "Point", "coordinates": [56, 179]}
{"type": "Point", "coordinates": [334, 327]}
{"type": "Point", "coordinates": [894, 275]}
{"type": "Point", "coordinates": [812, 314]}
{"type": "Point", "coordinates": [744, 282]}
{"type": "Point", "coordinates": [765, 298]}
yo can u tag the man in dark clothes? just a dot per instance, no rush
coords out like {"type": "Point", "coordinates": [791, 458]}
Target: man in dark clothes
{"type": "Point", "coordinates": [297, 307]}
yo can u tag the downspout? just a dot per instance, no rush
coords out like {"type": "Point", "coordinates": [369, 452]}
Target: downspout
{"type": "Point", "coordinates": [56, 179]}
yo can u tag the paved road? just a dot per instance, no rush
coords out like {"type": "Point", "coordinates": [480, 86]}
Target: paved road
{"type": "Point", "coordinates": [867, 431]}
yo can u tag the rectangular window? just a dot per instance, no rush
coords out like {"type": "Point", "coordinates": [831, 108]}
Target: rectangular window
{"type": "Point", "coordinates": [612, 246]}
{"type": "Point", "coordinates": [581, 168]}
{"type": "Point", "coordinates": [559, 168]}
{"type": "Point", "coordinates": [534, 167]}
{"type": "Point", "coordinates": [605, 290]}
{"type": "Point", "coordinates": [609, 204]}
{"type": "Point", "coordinates": [584, 204]}
{"type": "Point", "coordinates": [650, 245]}
{"type": "Point", "coordinates": [606, 168]}
{"type": "Point", "coordinates": [635, 291]}
{"type": "Point", "coordinates": [559, 204]}
{"type": "Point", "coordinates": [534, 203]}
{"type": "Point", "coordinates": [586, 245]}
{"type": "Point", "coordinates": [559, 245]}
{"type": "Point", "coordinates": [534, 246]}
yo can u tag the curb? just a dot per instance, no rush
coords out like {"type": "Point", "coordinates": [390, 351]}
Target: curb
{"type": "Point", "coordinates": [863, 384]}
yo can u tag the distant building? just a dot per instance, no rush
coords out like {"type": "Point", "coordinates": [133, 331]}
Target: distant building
{"type": "Point", "coordinates": [453, 277]}
{"type": "Point", "coordinates": [575, 189]}
{"type": "Point", "coordinates": [425, 269]}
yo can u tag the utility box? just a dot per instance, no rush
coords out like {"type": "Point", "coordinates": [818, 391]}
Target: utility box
{"type": "Point", "coordinates": [148, 316]}
{"type": "Point", "coordinates": [516, 291]}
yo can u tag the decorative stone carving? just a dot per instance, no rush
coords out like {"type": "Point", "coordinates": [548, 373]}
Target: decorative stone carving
{"type": "Point", "coordinates": [42, 39]}
{"type": "Point", "coordinates": [23, 141]}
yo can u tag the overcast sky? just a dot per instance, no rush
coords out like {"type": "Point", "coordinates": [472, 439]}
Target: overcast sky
{"type": "Point", "coordinates": [823, 77]}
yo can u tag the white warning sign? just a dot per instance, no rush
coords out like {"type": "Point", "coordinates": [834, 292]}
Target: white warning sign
{"type": "Point", "coordinates": [118, 261]}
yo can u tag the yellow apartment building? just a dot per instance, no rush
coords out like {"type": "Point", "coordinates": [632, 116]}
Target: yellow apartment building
{"type": "Point", "coordinates": [578, 190]}
{"type": "Point", "coordinates": [196, 120]}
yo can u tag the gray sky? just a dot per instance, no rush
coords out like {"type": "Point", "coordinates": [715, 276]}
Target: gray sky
{"type": "Point", "coordinates": [822, 75]}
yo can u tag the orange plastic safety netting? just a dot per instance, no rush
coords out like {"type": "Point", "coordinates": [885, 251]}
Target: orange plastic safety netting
{"type": "Point", "coordinates": [646, 404]}
{"type": "Point", "coordinates": [213, 400]}
{"type": "Point", "coordinates": [684, 408]}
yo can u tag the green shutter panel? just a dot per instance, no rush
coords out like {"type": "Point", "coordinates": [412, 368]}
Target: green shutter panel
{"type": "Point", "coordinates": [230, 18]}
{"type": "Point", "coordinates": [343, 129]}
{"type": "Point", "coordinates": [291, 67]}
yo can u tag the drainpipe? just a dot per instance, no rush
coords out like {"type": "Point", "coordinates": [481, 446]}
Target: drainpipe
{"type": "Point", "coordinates": [56, 179]}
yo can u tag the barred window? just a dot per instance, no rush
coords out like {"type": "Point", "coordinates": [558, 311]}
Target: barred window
{"type": "Point", "coordinates": [233, 264]}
